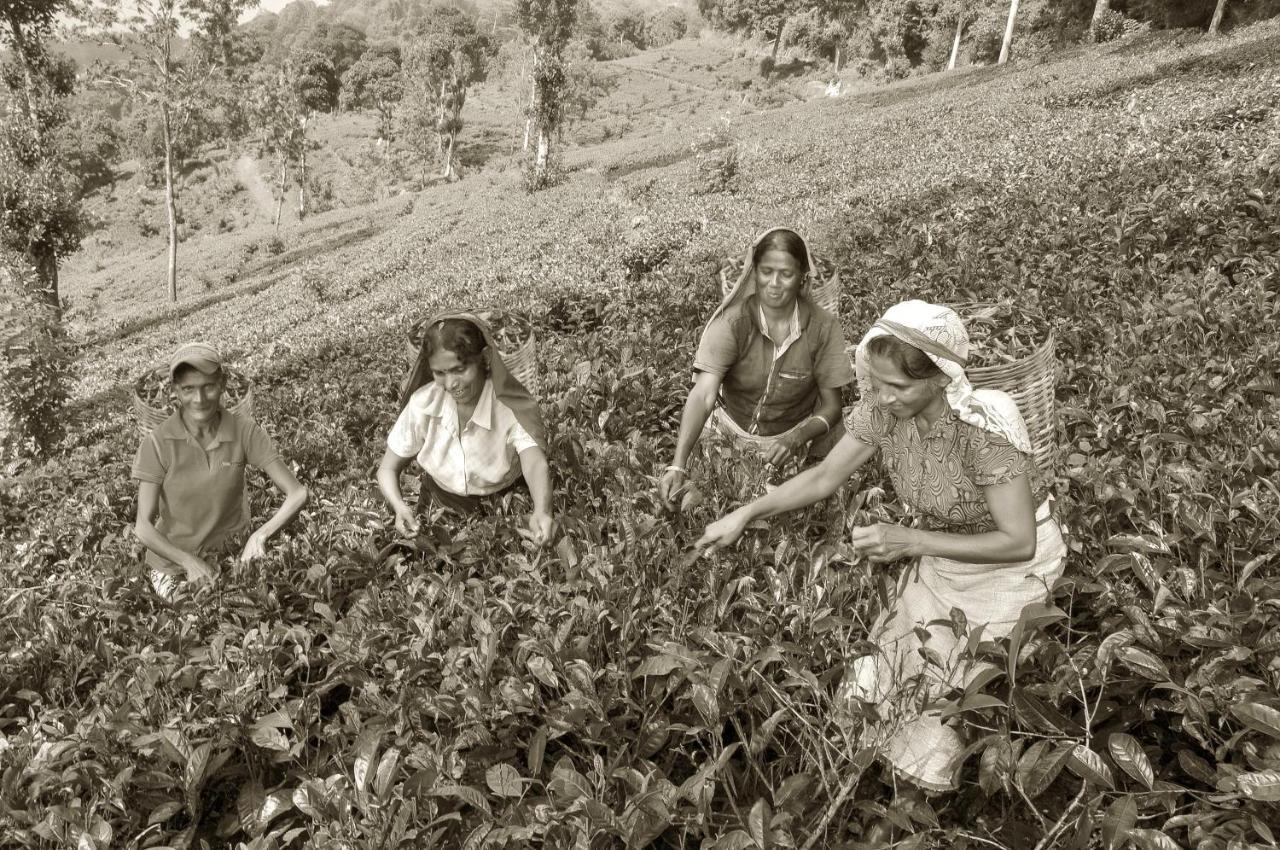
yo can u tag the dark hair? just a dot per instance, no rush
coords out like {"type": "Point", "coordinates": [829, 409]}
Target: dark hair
{"type": "Point", "coordinates": [457, 335]}
{"type": "Point", "coordinates": [782, 240]}
{"type": "Point", "coordinates": [913, 362]}
{"type": "Point", "coordinates": [183, 368]}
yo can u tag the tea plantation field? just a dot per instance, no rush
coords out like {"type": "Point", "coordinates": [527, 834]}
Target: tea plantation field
{"type": "Point", "coordinates": [466, 690]}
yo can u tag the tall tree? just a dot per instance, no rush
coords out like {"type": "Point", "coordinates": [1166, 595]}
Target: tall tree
{"type": "Point", "coordinates": [278, 117]}
{"type": "Point", "coordinates": [549, 25]}
{"type": "Point", "coordinates": [375, 82]}
{"type": "Point", "coordinates": [40, 215]}
{"type": "Point", "coordinates": [448, 56]}
{"type": "Point", "coordinates": [157, 78]}
{"type": "Point", "coordinates": [765, 19]}
{"type": "Point", "coordinates": [310, 74]}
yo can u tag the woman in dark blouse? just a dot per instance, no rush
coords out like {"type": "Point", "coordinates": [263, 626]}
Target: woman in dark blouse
{"type": "Point", "coordinates": [985, 541]}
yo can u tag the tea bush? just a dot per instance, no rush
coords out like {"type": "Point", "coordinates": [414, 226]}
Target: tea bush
{"type": "Point", "coordinates": [465, 689]}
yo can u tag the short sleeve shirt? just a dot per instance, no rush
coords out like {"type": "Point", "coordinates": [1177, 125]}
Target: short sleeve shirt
{"type": "Point", "coordinates": [770, 387]}
{"type": "Point", "coordinates": [481, 459]}
{"type": "Point", "coordinates": [203, 503]}
{"type": "Point", "coordinates": [940, 476]}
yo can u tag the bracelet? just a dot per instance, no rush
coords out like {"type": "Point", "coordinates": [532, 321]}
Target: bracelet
{"type": "Point", "coordinates": [674, 468]}
{"type": "Point", "coordinates": [823, 420]}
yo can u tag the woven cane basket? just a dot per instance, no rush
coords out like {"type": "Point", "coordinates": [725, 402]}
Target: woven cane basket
{"type": "Point", "coordinates": [824, 286]}
{"type": "Point", "coordinates": [149, 417]}
{"type": "Point", "coordinates": [1030, 382]}
{"type": "Point", "coordinates": [521, 361]}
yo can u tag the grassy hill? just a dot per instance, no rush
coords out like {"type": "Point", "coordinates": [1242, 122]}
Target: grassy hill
{"type": "Point", "coordinates": [228, 203]}
{"type": "Point", "coordinates": [615, 691]}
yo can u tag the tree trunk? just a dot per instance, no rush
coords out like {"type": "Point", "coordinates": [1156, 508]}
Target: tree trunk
{"type": "Point", "coordinates": [170, 204]}
{"type": "Point", "coordinates": [28, 73]}
{"type": "Point", "coordinates": [284, 174]}
{"type": "Point", "coordinates": [777, 43]}
{"type": "Point", "coordinates": [1100, 8]}
{"type": "Point", "coordinates": [302, 171]}
{"type": "Point", "coordinates": [45, 263]}
{"type": "Point", "coordinates": [1008, 33]}
{"type": "Point", "coordinates": [1218, 12]}
{"type": "Point", "coordinates": [446, 170]}
{"type": "Point", "coordinates": [955, 45]}
{"type": "Point", "coordinates": [544, 154]}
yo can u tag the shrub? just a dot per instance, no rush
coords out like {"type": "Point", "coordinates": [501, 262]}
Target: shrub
{"type": "Point", "coordinates": [35, 365]}
{"type": "Point", "coordinates": [1108, 26]}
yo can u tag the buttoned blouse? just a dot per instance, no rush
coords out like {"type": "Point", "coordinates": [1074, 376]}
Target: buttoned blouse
{"type": "Point", "coordinates": [482, 459]}
{"type": "Point", "coordinates": [770, 386]}
{"type": "Point", "coordinates": [939, 476]}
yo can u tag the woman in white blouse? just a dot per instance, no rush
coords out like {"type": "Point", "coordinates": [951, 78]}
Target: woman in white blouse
{"type": "Point", "coordinates": [473, 428]}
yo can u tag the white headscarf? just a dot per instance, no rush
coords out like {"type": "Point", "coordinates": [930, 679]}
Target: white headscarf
{"type": "Point", "coordinates": [938, 332]}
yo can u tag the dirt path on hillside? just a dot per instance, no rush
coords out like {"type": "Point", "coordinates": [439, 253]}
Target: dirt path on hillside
{"type": "Point", "coordinates": [249, 177]}
{"type": "Point", "coordinates": [624, 63]}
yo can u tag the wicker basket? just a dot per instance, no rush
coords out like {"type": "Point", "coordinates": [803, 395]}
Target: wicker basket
{"type": "Point", "coordinates": [1030, 382]}
{"type": "Point", "coordinates": [522, 361]}
{"type": "Point", "coordinates": [825, 291]}
{"type": "Point", "coordinates": [148, 417]}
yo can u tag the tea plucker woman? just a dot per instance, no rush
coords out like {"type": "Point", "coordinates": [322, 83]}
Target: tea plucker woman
{"type": "Point", "coordinates": [474, 429]}
{"type": "Point", "coordinates": [770, 363]}
{"type": "Point", "coordinates": [986, 543]}
{"type": "Point", "coordinates": [192, 504]}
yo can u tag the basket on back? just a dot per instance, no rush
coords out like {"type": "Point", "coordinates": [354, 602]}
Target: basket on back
{"type": "Point", "coordinates": [153, 402]}
{"type": "Point", "coordinates": [513, 335]}
{"type": "Point", "coordinates": [1027, 372]}
{"type": "Point", "coordinates": [824, 282]}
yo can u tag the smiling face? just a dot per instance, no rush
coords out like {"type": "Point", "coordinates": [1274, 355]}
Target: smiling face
{"type": "Point", "coordinates": [463, 381]}
{"type": "Point", "coordinates": [899, 394]}
{"type": "Point", "coordinates": [778, 279]}
{"type": "Point", "coordinates": [199, 395]}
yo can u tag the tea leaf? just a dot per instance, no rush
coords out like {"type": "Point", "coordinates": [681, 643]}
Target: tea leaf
{"type": "Point", "coordinates": [248, 805]}
{"type": "Point", "coordinates": [1128, 754]}
{"type": "Point", "coordinates": [1263, 718]}
{"type": "Point", "coordinates": [1040, 765]}
{"type": "Point", "coordinates": [1152, 839]}
{"type": "Point", "coordinates": [466, 794]}
{"type": "Point", "coordinates": [758, 824]}
{"type": "Point", "coordinates": [1090, 767]}
{"type": "Point", "coordinates": [1121, 816]}
{"type": "Point", "coordinates": [504, 780]}
{"type": "Point", "coordinates": [1261, 785]}
{"type": "Point", "coordinates": [384, 778]}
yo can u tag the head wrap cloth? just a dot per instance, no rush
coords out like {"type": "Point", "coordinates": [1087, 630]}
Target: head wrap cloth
{"type": "Point", "coordinates": [938, 332]}
{"type": "Point", "coordinates": [746, 284]}
{"type": "Point", "coordinates": [506, 388]}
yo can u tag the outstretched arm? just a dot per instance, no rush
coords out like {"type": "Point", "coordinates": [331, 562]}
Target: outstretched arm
{"type": "Point", "coordinates": [697, 407]}
{"type": "Point", "coordinates": [144, 527]}
{"type": "Point", "coordinates": [537, 474]}
{"type": "Point", "coordinates": [295, 496]}
{"type": "Point", "coordinates": [388, 478]}
{"type": "Point", "coordinates": [810, 486]}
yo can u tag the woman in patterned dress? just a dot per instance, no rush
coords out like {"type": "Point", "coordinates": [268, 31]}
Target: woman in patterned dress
{"type": "Point", "coordinates": [984, 542]}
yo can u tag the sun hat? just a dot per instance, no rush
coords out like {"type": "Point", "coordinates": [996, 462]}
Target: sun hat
{"type": "Point", "coordinates": [202, 356]}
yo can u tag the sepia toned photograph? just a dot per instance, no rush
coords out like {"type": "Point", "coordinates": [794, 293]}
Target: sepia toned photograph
{"type": "Point", "coordinates": [639, 424]}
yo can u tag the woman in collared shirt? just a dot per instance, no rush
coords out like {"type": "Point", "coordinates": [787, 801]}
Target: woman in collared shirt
{"type": "Point", "coordinates": [473, 428]}
{"type": "Point", "coordinates": [770, 364]}
{"type": "Point", "coordinates": [985, 543]}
